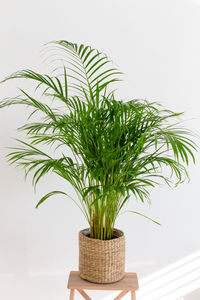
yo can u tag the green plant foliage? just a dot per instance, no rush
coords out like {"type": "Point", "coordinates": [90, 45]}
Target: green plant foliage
{"type": "Point", "coordinates": [118, 148]}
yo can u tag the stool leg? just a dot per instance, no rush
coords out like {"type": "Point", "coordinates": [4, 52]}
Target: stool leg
{"type": "Point", "coordinates": [84, 294]}
{"type": "Point", "coordinates": [133, 296]}
{"type": "Point", "coordinates": [123, 293]}
{"type": "Point", "coordinates": [71, 294]}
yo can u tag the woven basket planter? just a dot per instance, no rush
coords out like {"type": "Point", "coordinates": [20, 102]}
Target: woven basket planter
{"type": "Point", "coordinates": [101, 261]}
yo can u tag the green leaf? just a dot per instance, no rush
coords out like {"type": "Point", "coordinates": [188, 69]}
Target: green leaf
{"type": "Point", "coordinates": [118, 150]}
{"type": "Point", "coordinates": [135, 212]}
{"type": "Point", "coordinates": [49, 195]}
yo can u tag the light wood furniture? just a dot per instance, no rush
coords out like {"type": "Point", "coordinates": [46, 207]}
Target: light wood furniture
{"type": "Point", "coordinates": [129, 283]}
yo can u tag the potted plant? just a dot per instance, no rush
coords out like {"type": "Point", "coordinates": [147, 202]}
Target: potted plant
{"type": "Point", "coordinates": [117, 149]}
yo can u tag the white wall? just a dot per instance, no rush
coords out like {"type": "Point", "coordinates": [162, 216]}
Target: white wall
{"type": "Point", "coordinates": [156, 43]}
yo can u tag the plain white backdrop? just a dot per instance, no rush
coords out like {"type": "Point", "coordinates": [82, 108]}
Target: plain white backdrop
{"type": "Point", "coordinates": [156, 43]}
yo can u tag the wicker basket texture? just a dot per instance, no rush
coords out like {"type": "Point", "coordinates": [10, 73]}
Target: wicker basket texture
{"type": "Point", "coordinates": [101, 261]}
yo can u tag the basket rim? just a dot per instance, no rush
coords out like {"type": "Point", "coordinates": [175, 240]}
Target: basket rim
{"type": "Point", "coordinates": [81, 234]}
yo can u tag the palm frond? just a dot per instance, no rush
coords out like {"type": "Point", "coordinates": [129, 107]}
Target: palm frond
{"type": "Point", "coordinates": [88, 67]}
{"type": "Point", "coordinates": [118, 149]}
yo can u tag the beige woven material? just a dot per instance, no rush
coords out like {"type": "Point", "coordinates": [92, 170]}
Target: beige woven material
{"type": "Point", "coordinates": [101, 261]}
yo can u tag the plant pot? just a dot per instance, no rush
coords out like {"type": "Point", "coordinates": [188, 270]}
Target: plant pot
{"type": "Point", "coordinates": [101, 261]}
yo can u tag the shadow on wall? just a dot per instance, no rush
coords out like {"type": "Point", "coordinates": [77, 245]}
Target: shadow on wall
{"type": "Point", "coordinates": [175, 282]}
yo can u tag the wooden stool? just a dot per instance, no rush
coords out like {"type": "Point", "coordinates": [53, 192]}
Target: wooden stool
{"type": "Point", "coordinates": [128, 283]}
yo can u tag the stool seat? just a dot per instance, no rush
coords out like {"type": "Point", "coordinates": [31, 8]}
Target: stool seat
{"type": "Point", "coordinates": [128, 283]}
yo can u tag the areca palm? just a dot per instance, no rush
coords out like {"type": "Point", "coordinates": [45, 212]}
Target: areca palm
{"type": "Point", "coordinates": [118, 149]}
